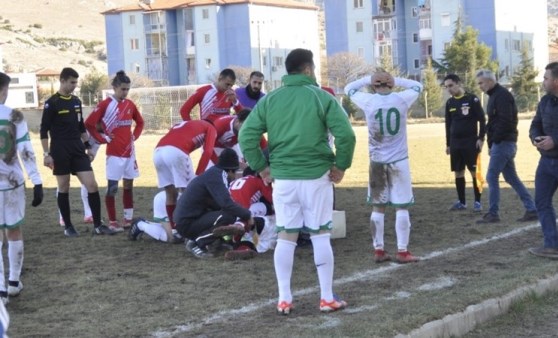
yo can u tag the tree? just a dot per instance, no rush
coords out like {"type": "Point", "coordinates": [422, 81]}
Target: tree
{"type": "Point", "coordinates": [91, 87]}
{"type": "Point", "coordinates": [524, 87]}
{"type": "Point", "coordinates": [465, 56]}
{"type": "Point", "coordinates": [345, 67]}
{"type": "Point", "coordinates": [386, 63]}
{"type": "Point", "coordinates": [431, 97]}
{"type": "Point", "coordinates": [242, 75]}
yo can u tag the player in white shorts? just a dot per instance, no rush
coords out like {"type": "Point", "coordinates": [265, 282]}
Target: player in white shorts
{"type": "Point", "coordinates": [390, 177]}
{"type": "Point", "coordinates": [117, 114]}
{"type": "Point", "coordinates": [15, 148]}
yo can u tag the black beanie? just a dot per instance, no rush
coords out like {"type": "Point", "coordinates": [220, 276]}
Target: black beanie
{"type": "Point", "coordinates": [228, 160]}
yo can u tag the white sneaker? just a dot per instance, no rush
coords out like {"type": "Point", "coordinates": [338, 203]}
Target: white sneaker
{"type": "Point", "coordinates": [14, 291]}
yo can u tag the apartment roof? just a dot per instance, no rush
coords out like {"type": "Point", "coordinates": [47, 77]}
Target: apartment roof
{"type": "Point", "coordinates": [158, 5]}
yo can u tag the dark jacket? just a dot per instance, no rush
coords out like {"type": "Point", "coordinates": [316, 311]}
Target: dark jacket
{"type": "Point", "coordinates": [545, 123]}
{"type": "Point", "coordinates": [502, 116]}
{"type": "Point", "coordinates": [207, 192]}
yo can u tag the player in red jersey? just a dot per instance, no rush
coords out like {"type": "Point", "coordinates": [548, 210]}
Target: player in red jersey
{"type": "Point", "coordinates": [116, 114]}
{"type": "Point", "coordinates": [215, 100]}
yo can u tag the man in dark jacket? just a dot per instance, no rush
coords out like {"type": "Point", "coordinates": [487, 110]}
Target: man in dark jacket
{"type": "Point", "coordinates": [544, 135]}
{"type": "Point", "coordinates": [206, 211]}
{"type": "Point", "coordinates": [501, 131]}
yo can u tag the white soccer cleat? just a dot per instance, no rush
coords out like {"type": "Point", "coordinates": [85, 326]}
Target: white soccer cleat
{"type": "Point", "coordinates": [14, 291]}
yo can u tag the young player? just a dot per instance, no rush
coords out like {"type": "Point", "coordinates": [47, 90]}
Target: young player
{"type": "Point", "coordinates": [390, 176]}
{"type": "Point", "coordinates": [215, 100]}
{"type": "Point", "coordinates": [16, 147]}
{"type": "Point", "coordinates": [116, 114]}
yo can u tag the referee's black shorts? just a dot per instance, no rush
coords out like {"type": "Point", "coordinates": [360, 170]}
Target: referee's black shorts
{"type": "Point", "coordinates": [464, 157]}
{"type": "Point", "coordinates": [69, 157]}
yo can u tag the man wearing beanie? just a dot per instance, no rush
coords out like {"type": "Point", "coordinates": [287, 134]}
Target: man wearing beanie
{"type": "Point", "coordinates": [205, 210]}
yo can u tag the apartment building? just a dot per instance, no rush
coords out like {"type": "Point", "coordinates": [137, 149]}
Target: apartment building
{"type": "Point", "coordinates": [182, 42]}
{"type": "Point", "coordinates": [410, 31]}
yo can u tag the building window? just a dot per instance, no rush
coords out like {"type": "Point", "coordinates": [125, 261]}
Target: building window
{"type": "Point", "coordinates": [278, 61]}
{"type": "Point", "coordinates": [29, 97]}
{"type": "Point", "coordinates": [15, 80]}
{"type": "Point", "coordinates": [206, 38]}
{"type": "Point", "coordinates": [359, 27]}
{"type": "Point", "coordinates": [415, 12]}
{"type": "Point", "coordinates": [134, 44]}
{"type": "Point", "coordinates": [417, 63]}
{"type": "Point", "coordinates": [446, 20]}
{"type": "Point", "coordinates": [425, 23]}
{"type": "Point", "coordinates": [415, 37]}
{"type": "Point", "coordinates": [360, 52]}
{"type": "Point", "coordinates": [207, 63]}
{"type": "Point", "coordinates": [516, 45]}
{"type": "Point", "coordinates": [358, 3]}
{"type": "Point", "coordinates": [132, 19]}
{"type": "Point", "coordinates": [205, 13]}
{"type": "Point", "coordinates": [506, 44]}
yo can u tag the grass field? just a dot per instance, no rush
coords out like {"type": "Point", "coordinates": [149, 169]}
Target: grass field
{"type": "Point", "coordinates": [108, 286]}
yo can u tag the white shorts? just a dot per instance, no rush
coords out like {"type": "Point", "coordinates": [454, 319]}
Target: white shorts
{"type": "Point", "coordinates": [118, 168]}
{"type": "Point", "coordinates": [12, 212]}
{"type": "Point", "coordinates": [267, 239]}
{"type": "Point", "coordinates": [390, 184]}
{"type": "Point", "coordinates": [160, 207]}
{"type": "Point", "coordinates": [303, 204]}
{"type": "Point", "coordinates": [173, 166]}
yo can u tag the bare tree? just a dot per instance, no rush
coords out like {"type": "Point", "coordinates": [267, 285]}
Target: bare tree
{"type": "Point", "coordinates": [346, 67]}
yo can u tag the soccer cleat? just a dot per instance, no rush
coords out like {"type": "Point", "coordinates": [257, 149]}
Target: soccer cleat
{"type": "Point", "coordinates": [135, 231]}
{"type": "Point", "coordinates": [284, 307]}
{"type": "Point", "coordinates": [229, 230]}
{"type": "Point", "coordinates": [70, 231]}
{"type": "Point", "coordinates": [458, 206]}
{"type": "Point", "coordinates": [241, 253]}
{"type": "Point", "coordinates": [192, 247]}
{"type": "Point", "coordinates": [381, 256]}
{"type": "Point", "coordinates": [4, 297]}
{"type": "Point", "coordinates": [61, 222]}
{"type": "Point", "coordinates": [404, 257]}
{"type": "Point", "coordinates": [88, 219]}
{"type": "Point", "coordinates": [334, 305]}
{"type": "Point", "coordinates": [127, 223]}
{"type": "Point", "coordinates": [115, 226]}
{"type": "Point", "coordinates": [176, 237]}
{"type": "Point", "coordinates": [529, 216]}
{"type": "Point", "coordinates": [477, 207]}
{"type": "Point", "coordinates": [14, 290]}
{"type": "Point", "coordinates": [103, 230]}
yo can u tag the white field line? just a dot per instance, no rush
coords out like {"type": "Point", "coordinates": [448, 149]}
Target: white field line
{"type": "Point", "coordinates": [356, 277]}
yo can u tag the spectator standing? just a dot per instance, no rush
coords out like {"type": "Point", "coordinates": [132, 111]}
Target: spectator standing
{"type": "Point", "coordinates": [248, 96]}
{"type": "Point", "coordinates": [465, 130]}
{"type": "Point", "coordinates": [297, 117]}
{"type": "Point", "coordinates": [501, 132]}
{"type": "Point", "coordinates": [62, 119]}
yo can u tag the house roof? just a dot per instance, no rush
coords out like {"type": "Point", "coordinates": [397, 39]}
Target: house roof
{"type": "Point", "coordinates": [158, 5]}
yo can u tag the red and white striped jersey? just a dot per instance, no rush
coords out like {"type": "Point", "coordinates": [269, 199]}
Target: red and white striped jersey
{"type": "Point", "coordinates": [213, 104]}
{"type": "Point", "coordinates": [116, 118]}
{"type": "Point", "coordinates": [191, 135]}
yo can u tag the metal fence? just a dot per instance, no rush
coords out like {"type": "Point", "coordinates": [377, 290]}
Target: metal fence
{"type": "Point", "coordinates": [160, 106]}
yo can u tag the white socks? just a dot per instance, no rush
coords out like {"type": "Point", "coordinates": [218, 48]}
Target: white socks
{"type": "Point", "coordinates": [323, 258]}
{"type": "Point", "coordinates": [154, 230]}
{"type": "Point", "coordinates": [377, 229]}
{"type": "Point", "coordinates": [2, 279]}
{"type": "Point", "coordinates": [15, 257]}
{"type": "Point", "coordinates": [85, 200]}
{"type": "Point", "coordinates": [283, 259]}
{"type": "Point", "coordinates": [402, 229]}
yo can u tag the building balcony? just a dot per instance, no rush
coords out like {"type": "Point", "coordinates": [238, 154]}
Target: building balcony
{"type": "Point", "coordinates": [425, 34]}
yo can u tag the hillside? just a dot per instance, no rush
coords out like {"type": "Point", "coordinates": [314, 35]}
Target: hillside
{"type": "Point", "coordinates": [52, 34]}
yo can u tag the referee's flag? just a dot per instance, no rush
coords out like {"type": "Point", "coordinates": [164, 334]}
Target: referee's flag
{"type": "Point", "coordinates": [478, 174]}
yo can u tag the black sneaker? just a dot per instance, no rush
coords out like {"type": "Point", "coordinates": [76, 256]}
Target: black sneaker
{"type": "Point", "coordinates": [489, 218]}
{"type": "Point", "coordinates": [529, 216]}
{"type": "Point", "coordinates": [134, 229]}
{"type": "Point", "coordinates": [198, 252]}
{"type": "Point", "coordinates": [103, 230]}
{"type": "Point", "coordinates": [70, 231]}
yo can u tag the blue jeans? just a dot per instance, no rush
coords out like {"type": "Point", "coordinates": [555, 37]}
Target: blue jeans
{"type": "Point", "coordinates": [546, 183]}
{"type": "Point", "coordinates": [502, 161]}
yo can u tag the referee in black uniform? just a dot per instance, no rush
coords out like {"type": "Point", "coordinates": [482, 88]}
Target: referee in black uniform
{"type": "Point", "coordinates": [63, 120]}
{"type": "Point", "coordinates": [465, 131]}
